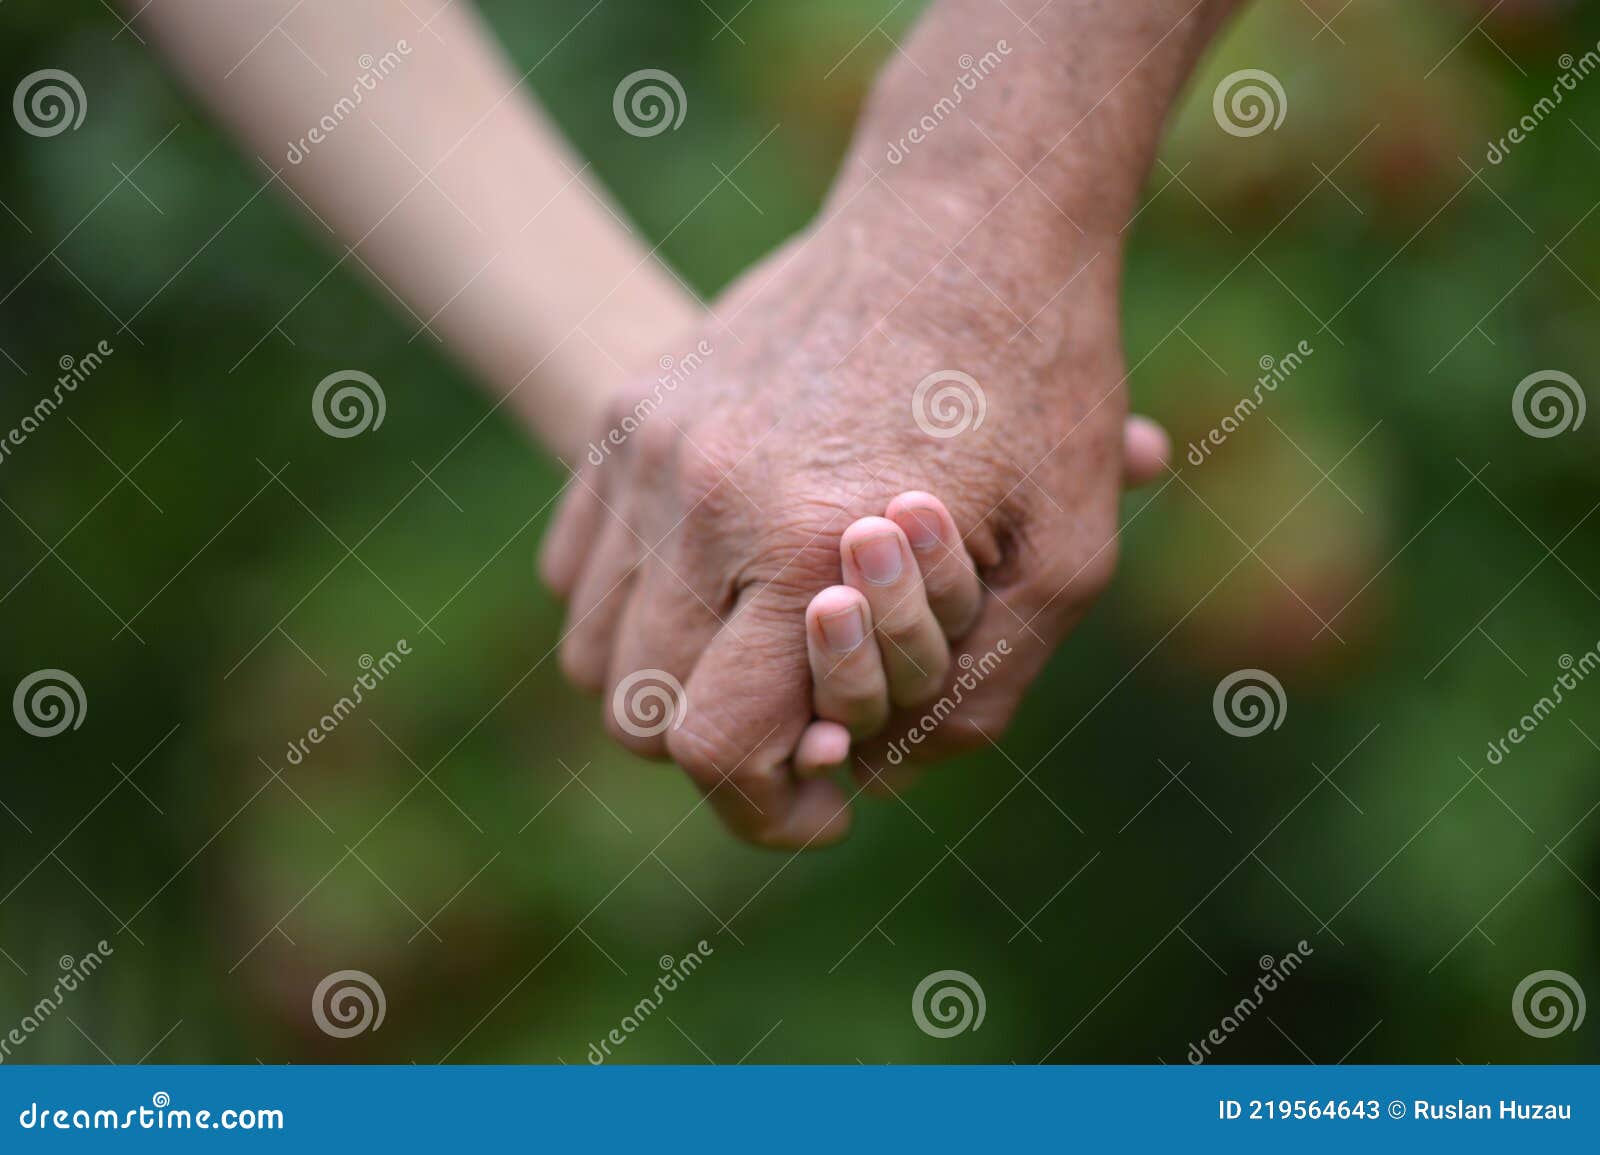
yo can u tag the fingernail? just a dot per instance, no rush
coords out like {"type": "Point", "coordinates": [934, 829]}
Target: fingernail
{"type": "Point", "coordinates": [923, 528]}
{"type": "Point", "coordinates": [844, 630]}
{"type": "Point", "coordinates": [878, 558]}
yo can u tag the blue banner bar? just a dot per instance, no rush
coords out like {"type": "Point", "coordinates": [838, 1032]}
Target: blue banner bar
{"type": "Point", "coordinates": [782, 1109]}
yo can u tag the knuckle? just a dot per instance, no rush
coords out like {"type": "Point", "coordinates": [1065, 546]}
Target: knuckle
{"type": "Point", "coordinates": [642, 744]}
{"type": "Point", "coordinates": [884, 782]}
{"type": "Point", "coordinates": [550, 572]}
{"type": "Point", "coordinates": [701, 751]}
{"type": "Point", "coordinates": [946, 731]}
{"type": "Point", "coordinates": [792, 565]}
{"type": "Point", "coordinates": [655, 446]}
{"type": "Point", "coordinates": [703, 477]}
{"type": "Point", "coordinates": [946, 580]}
{"type": "Point", "coordinates": [905, 625]}
{"type": "Point", "coordinates": [1077, 582]}
{"type": "Point", "coordinates": [580, 666]}
{"type": "Point", "coordinates": [957, 616]}
{"type": "Point", "coordinates": [863, 716]}
{"type": "Point", "coordinates": [859, 695]}
{"type": "Point", "coordinates": [921, 686]}
{"type": "Point", "coordinates": [1101, 567]}
{"type": "Point", "coordinates": [618, 410]}
{"type": "Point", "coordinates": [963, 735]}
{"type": "Point", "coordinates": [768, 834]}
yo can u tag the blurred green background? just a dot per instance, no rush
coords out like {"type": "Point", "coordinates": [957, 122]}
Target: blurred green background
{"type": "Point", "coordinates": [1125, 934]}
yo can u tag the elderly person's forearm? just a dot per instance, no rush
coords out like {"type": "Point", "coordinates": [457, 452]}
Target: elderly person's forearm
{"type": "Point", "coordinates": [1057, 118]}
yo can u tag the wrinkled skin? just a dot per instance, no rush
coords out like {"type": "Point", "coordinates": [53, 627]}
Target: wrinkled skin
{"type": "Point", "coordinates": [697, 543]}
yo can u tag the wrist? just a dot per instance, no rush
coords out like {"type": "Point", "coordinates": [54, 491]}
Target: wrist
{"type": "Point", "coordinates": [1055, 121]}
{"type": "Point", "coordinates": [956, 166]}
{"type": "Point", "coordinates": [935, 265]}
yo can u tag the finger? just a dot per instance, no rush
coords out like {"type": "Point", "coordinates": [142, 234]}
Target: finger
{"type": "Point", "coordinates": [1146, 449]}
{"type": "Point", "coordinates": [662, 632]}
{"type": "Point", "coordinates": [877, 560]}
{"type": "Point", "coordinates": [847, 679]}
{"type": "Point", "coordinates": [746, 709]}
{"type": "Point", "coordinates": [597, 603]}
{"type": "Point", "coordinates": [949, 579]}
{"type": "Point", "coordinates": [572, 533]}
{"type": "Point", "coordinates": [995, 665]}
{"type": "Point", "coordinates": [823, 748]}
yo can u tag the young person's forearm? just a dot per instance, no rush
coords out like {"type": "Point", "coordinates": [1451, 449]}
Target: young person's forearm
{"type": "Point", "coordinates": [1067, 110]}
{"type": "Point", "coordinates": [416, 146]}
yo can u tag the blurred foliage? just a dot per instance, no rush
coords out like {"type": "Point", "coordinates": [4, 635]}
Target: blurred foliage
{"type": "Point", "coordinates": [1453, 558]}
